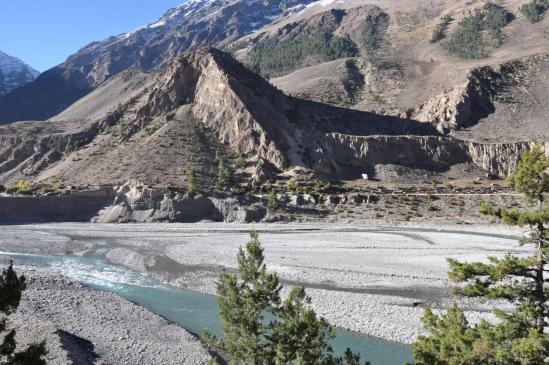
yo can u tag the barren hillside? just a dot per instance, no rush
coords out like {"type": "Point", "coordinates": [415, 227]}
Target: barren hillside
{"type": "Point", "coordinates": [163, 128]}
{"type": "Point", "coordinates": [389, 64]}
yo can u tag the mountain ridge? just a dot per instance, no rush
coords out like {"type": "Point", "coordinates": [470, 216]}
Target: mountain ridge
{"type": "Point", "coordinates": [190, 26]}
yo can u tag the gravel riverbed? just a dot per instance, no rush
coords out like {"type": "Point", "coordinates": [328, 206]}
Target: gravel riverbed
{"type": "Point", "coordinates": [375, 280]}
{"type": "Point", "coordinates": [85, 326]}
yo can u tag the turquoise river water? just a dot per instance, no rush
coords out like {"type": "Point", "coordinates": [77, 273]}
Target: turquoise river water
{"type": "Point", "coordinates": [191, 310]}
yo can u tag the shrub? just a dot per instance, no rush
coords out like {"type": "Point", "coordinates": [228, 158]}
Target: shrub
{"type": "Point", "coordinates": [272, 201]}
{"type": "Point", "coordinates": [533, 11]}
{"type": "Point", "coordinates": [21, 188]}
{"type": "Point", "coordinates": [374, 35]}
{"type": "Point", "coordinates": [440, 31]}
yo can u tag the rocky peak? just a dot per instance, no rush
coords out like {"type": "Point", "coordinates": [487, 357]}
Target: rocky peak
{"type": "Point", "coordinates": [190, 26]}
{"type": "Point", "coordinates": [14, 73]}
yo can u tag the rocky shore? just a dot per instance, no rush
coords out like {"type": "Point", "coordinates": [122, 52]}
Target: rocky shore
{"type": "Point", "coordinates": [85, 326]}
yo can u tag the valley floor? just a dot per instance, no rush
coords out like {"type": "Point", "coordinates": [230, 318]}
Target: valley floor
{"type": "Point", "coordinates": [374, 280]}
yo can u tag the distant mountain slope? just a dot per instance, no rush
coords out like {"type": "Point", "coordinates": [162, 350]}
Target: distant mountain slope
{"type": "Point", "coordinates": [14, 73]}
{"type": "Point", "coordinates": [157, 128]}
{"type": "Point", "coordinates": [387, 62]}
{"type": "Point", "coordinates": [192, 25]}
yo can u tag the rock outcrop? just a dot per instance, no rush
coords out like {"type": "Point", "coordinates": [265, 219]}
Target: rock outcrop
{"type": "Point", "coordinates": [135, 202]}
{"type": "Point", "coordinates": [352, 156]}
{"type": "Point", "coordinates": [207, 102]}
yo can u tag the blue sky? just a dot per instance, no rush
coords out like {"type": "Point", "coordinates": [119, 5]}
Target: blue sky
{"type": "Point", "coordinates": [43, 33]}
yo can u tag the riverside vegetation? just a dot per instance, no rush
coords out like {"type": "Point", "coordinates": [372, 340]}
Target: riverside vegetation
{"type": "Point", "coordinates": [296, 335]}
{"type": "Point", "coordinates": [261, 329]}
{"type": "Point", "coordinates": [11, 288]}
{"type": "Point", "coordinates": [521, 335]}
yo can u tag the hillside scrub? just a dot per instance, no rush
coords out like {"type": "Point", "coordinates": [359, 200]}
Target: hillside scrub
{"type": "Point", "coordinates": [478, 31]}
{"type": "Point", "coordinates": [374, 35]}
{"type": "Point", "coordinates": [534, 11]}
{"type": "Point", "coordinates": [272, 58]}
{"type": "Point", "coordinates": [440, 31]}
{"type": "Point", "coordinates": [11, 289]}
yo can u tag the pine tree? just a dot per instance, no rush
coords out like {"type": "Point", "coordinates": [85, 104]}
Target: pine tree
{"type": "Point", "coordinates": [11, 289]}
{"type": "Point", "coordinates": [244, 300]}
{"type": "Point", "coordinates": [240, 160]}
{"type": "Point", "coordinates": [192, 184]}
{"type": "Point", "coordinates": [272, 201]}
{"type": "Point", "coordinates": [294, 335]}
{"type": "Point", "coordinates": [521, 336]}
{"type": "Point", "coordinates": [223, 174]}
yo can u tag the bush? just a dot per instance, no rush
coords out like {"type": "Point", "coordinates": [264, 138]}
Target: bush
{"type": "Point", "coordinates": [272, 201]}
{"type": "Point", "coordinates": [21, 188]}
{"type": "Point", "coordinates": [440, 31]}
{"type": "Point", "coordinates": [534, 10]}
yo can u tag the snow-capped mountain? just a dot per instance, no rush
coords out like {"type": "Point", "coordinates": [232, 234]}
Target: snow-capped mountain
{"type": "Point", "coordinates": [14, 73]}
{"type": "Point", "coordinates": [191, 25]}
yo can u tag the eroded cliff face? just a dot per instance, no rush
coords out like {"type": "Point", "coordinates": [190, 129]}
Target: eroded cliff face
{"type": "Point", "coordinates": [31, 149]}
{"type": "Point", "coordinates": [491, 92]}
{"type": "Point", "coordinates": [353, 156]}
{"type": "Point", "coordinates": [500, 159]}
{"type": "Point", "coordinates": [448, 111]}
{"type": "Point", "coordinates": [226, 103]}
{"type": "Point", "coordinates": [135, 202]}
